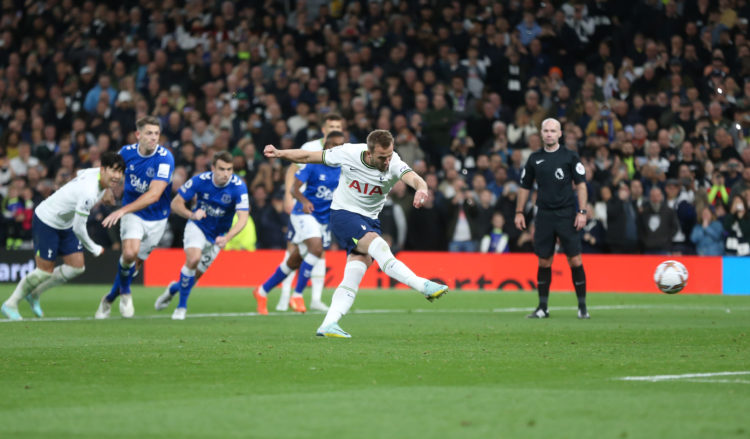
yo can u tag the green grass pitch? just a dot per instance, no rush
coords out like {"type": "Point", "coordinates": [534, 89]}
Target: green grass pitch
{"type": "Point", "coordinates": [467, 366]}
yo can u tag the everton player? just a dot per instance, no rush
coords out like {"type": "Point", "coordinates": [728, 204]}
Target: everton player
{"type": "Point", "coordinates": [148, 172]}
{"type": "Point", "coordinates": [219, 194]}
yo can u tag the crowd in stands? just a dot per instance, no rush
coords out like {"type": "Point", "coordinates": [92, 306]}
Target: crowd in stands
{"type": "Point", "coordinates": [654, 96]}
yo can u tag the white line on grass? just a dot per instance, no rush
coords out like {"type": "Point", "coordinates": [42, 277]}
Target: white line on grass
{"type": "Point", "coordinates": [406, 311]}
{"type": "Point", "coordinates": [689, 377]}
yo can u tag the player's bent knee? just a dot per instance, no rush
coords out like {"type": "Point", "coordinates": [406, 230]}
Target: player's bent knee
{"type": "Point", "coordinates": [69, 272]}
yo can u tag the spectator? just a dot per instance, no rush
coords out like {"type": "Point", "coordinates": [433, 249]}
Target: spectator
{"type": "Point", "coordinates": [592, 233]}
{"type": "Point", "coordinates": [737, 225]}
{"type": "Point", "coordinates": [461, 213]}
{"type": "Point", "coordinates": [497, 241]}
{"type": "Point", "coordinates": [267, 215]}
{"type": "Point", "coordinates": [20, 164]}
{"type": "Point", "coordinates": [623, 234]}
{"type": "Point", "coordinates": [657, 224]}
{"type": "Point", "coordinates": [708, 234]}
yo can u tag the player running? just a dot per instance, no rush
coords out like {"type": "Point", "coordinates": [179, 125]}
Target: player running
{"type": "Point", "coordinates": [331, 122]}
{"type": "Point", "coordinates": [145, 209]}
{"type": "Point", "coordinates": [309, 229]}
{"type": "Point", "coordinates": [59, 227]}
{"type": "Point", "coordinates": [368, 172]}
{"type": "Point", "coordinates": [219, 194]}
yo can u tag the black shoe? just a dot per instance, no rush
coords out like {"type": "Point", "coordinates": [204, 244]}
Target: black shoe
{"type": "Point", "coordinates": [583, 314]}
{"type": "Point", "coordinates": [538, 313]}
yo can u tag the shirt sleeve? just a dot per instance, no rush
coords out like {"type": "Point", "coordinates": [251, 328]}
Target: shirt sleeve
{"type": "Point", "coordinates": [79, 229]}
{"type": "Point", "coordinates": [188, 189]}
{"type": "Point", "coordinates": [303, 174]}
{"type": "Point", "coordinates": [527, 175]}
{"type": "Point", "coordinates": [241, 198]}
{"type": "Point", "coordinates": [398, 167]}
{"type": "Point", "coordinates": [166, 166]}
{"type": "Point", "coordinates": [84, 205]}
{"type": "Point", "coordinates": [579, 171]}
{"type": "Point", "coordinates": [336, 156]}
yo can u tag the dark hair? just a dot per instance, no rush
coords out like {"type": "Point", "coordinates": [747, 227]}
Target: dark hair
{"type": "Point", "coordinates": [112, 160]}
{"type": "Point", "coordinates": [147, 120]}
{"type": "Point", "coordinates": [329, 142]}
{"type": "Point", "coordinates": [333, 116]}
{"type": "Point", "coordinates": [224, 156]}
{"type": "Point", "coordinates": [381, 138]}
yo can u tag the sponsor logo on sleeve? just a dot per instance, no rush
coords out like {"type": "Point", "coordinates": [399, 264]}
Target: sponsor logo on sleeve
{"type": "Point", "coordinates": [163, 171]}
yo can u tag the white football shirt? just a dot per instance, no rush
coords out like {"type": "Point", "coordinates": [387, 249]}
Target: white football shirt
{"type": "Point", "coordinates": [78, 195]}
{"type": "Point", "coordinates": [362, 188]}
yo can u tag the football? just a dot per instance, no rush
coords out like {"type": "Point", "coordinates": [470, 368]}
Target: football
{"type": "Point", "coordinates": [671, 277]}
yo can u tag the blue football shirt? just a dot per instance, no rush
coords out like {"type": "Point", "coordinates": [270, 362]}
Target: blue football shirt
{"type": "Point", "coordinates": [321, 180]}
{"type": "Point", "coordinates": [219, 202]}
{"type": "Point", "coordinates": [140, 171]}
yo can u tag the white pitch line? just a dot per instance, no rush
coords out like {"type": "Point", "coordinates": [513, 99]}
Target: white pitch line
{"type": "Point", "coordinates": [686, 376]}
{"type": "Point", "coordinates": [421, 310]}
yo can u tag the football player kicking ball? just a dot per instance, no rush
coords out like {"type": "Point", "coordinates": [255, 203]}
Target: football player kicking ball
{"type": "Point", "coordinates": [144, 211]}
{"type": "Point", "coordinates": [310, 235]}
{"type": "Point", "coordinates": [219, 195]}
{"type": "Point", "coordinates": [59, 227]}
{"type": "Point", "coordinates": [368, 172]}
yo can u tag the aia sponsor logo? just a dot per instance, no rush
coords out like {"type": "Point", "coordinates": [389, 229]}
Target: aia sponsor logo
{"type": "Point", "coordinates": [365, 188]}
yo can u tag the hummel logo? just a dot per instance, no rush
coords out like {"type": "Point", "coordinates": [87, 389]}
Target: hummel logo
{"type": "Point", "coordinates": [539, 161]}
{"type": "Point", "coordinates": [363, 227]}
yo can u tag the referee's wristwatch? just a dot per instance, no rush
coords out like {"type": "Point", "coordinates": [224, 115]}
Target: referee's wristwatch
{"type": "Point", "coordinates": [583, 211]}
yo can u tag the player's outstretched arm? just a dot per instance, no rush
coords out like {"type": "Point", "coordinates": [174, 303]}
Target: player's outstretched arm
{"type": "Point", "coordinates": [151, 196]}
{"type": "Point", "coordinates": [293, 155]}
{"type": "Point", "coordinates": [242, 216]}
{"type": "Point", "coordinates": [417, 183]}
{"type": "Point", "coordinates": [180, 208]}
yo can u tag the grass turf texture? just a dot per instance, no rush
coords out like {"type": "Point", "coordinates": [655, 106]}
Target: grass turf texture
{"type": "Point", "coordinates": [469, 365]}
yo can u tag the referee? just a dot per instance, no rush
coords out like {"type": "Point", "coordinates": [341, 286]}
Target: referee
{"type": "Point", "coordinates": [555, 170]}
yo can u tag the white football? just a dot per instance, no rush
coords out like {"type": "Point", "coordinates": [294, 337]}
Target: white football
{"type": "Point", "coordinates": [671, 277]}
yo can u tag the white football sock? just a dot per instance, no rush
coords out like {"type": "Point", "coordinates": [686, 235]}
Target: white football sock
{"type": "Point", "coordinates": [26, 285]}
{"type": "Point", "coordinates": [286, 289]}
{"type": "Point", "coordinates": [343, 297]}
{"type": "Point", "coordinates": [62, 273]}
{"type": "Point", "coordinates": [391, 266]}
{"type": "Point", "coordinates": [318, 279]}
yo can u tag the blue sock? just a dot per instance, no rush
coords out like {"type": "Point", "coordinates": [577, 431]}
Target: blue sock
{"type": "Point", "coordinates": [276, 278]}
{"type": "Point", "coordinates": [126, 276]}
{"type": "Point", "coordinates": [115, 291]}
{"type": "Point", "coordinates": [175, 287]}
{"type": "Point", "coordinates": [303, 276]}
{"type": "Point", "coordinates": [187, 280]}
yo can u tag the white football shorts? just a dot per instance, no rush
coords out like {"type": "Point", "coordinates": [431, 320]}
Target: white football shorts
{"type": "Point", "coordinates": [148, 232]}
{"type": "Point", "coordinates": [194, 238]}
{"type": "Point", "coordinates": [306, 227]}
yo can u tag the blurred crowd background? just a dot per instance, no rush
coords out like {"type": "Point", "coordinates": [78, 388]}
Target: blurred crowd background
{"type": "Point", "coordinates": [654, 96]}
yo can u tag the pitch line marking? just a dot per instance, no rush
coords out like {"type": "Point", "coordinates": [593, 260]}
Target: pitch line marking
{"type": "Point", "coordinates": [690, 377]}
{"type": "Point", "coordinates": [406, 311]}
